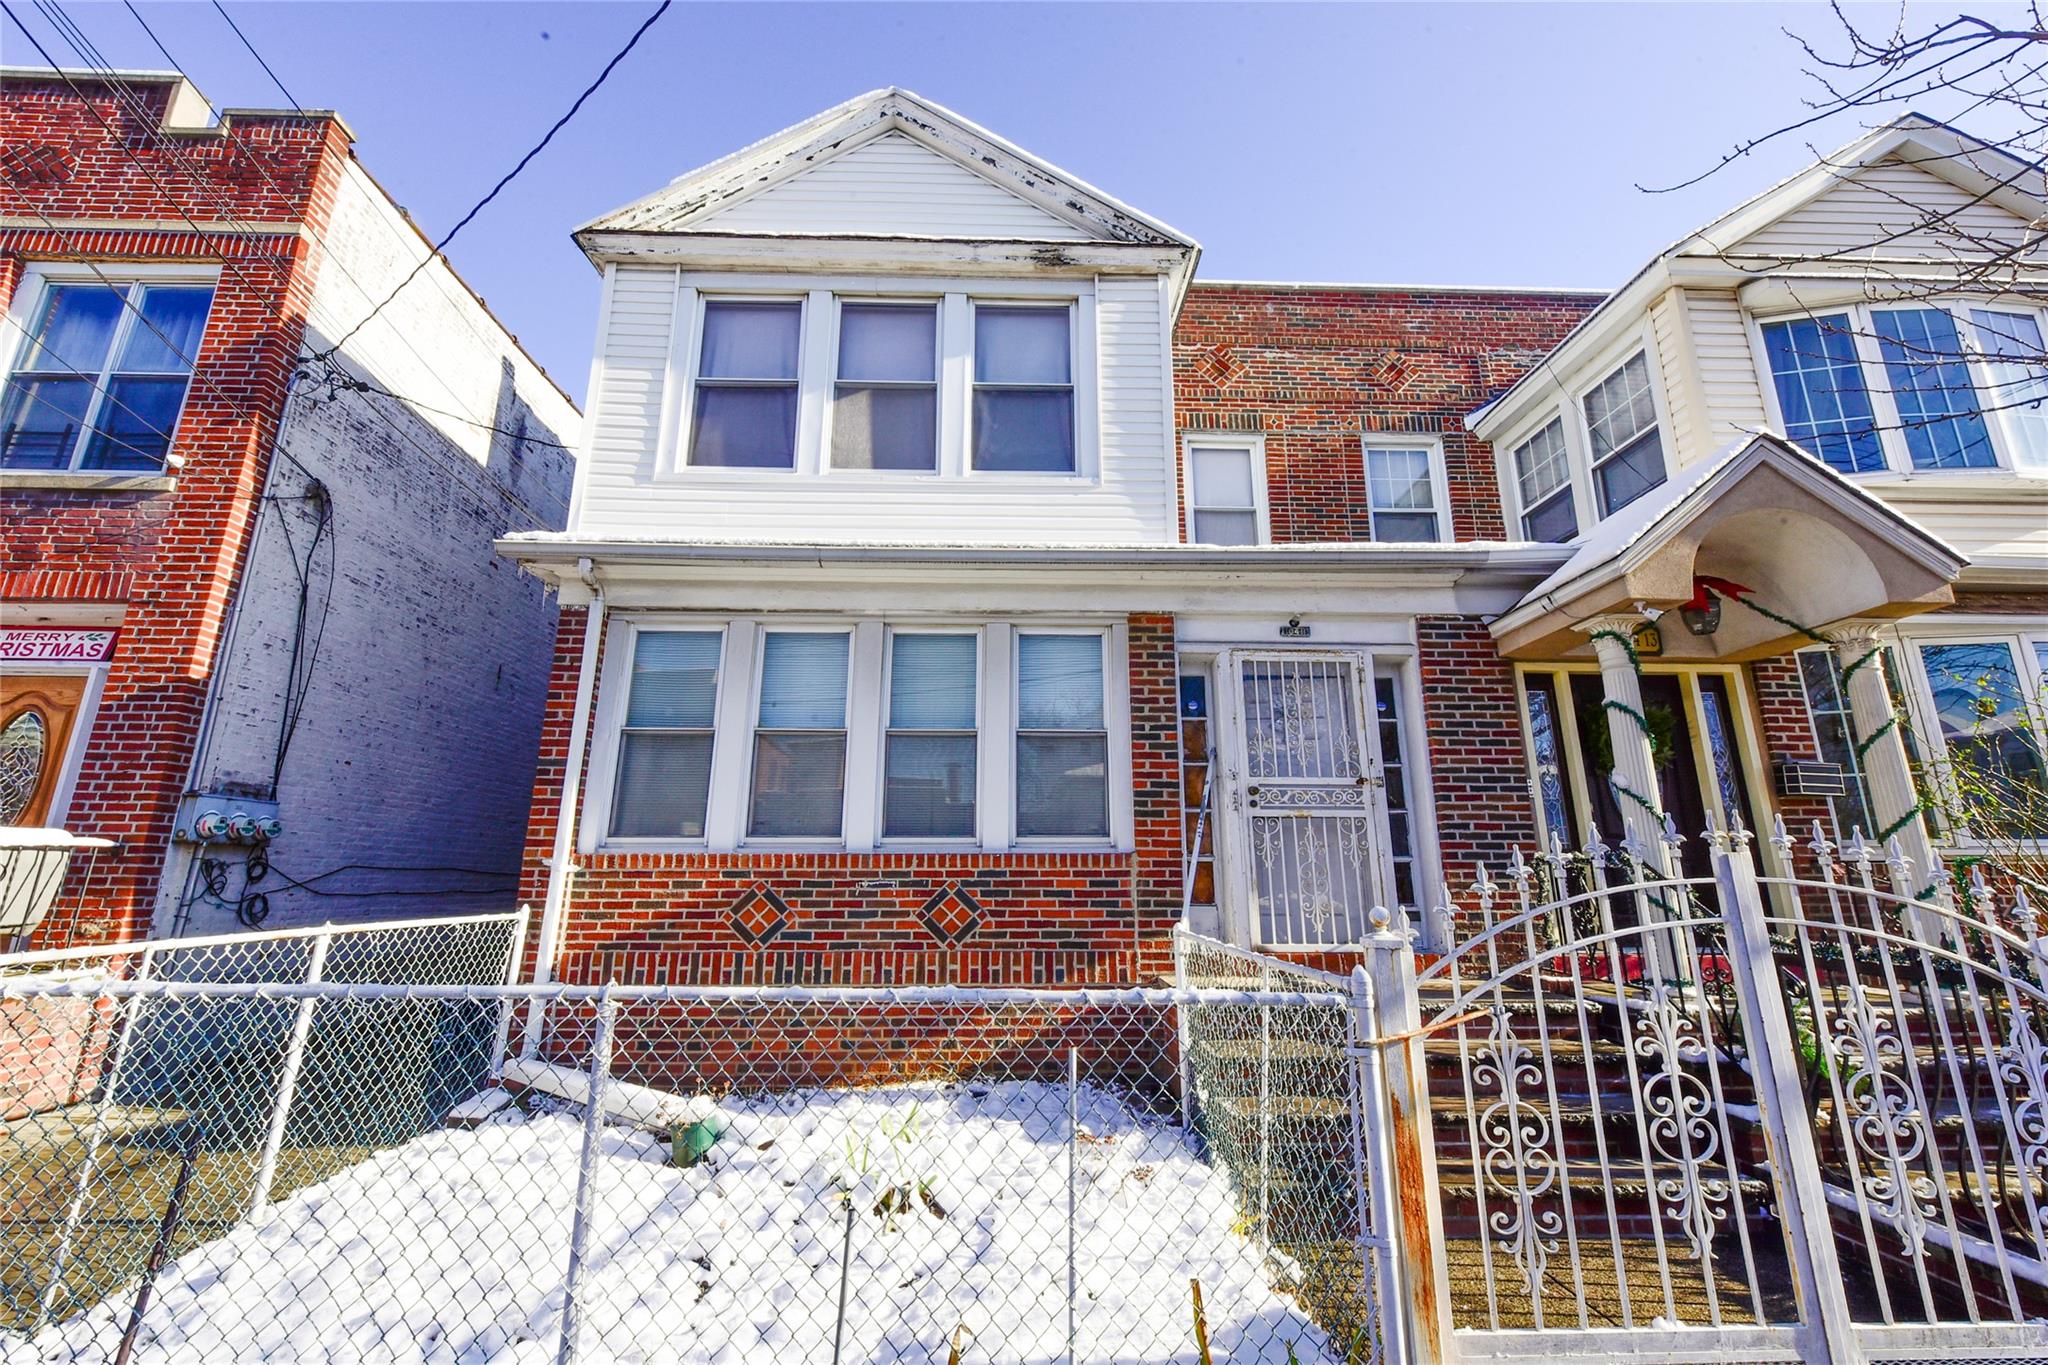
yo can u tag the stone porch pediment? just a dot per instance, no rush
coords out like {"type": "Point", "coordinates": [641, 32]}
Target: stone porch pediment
{"type": "Point", "coordinates": [1805, 542]}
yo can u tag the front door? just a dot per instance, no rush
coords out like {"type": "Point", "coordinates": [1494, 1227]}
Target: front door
{"type": "Point", "coordinates": [1306, 853]}
{"type": "Point", "coordinates": [37, 714]}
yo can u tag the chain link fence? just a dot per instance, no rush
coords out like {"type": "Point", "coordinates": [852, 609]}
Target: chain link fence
{"type": "Point", "coordinates": [661, 1173]}
{"type": "Point", "coordinates": [112, 1083]}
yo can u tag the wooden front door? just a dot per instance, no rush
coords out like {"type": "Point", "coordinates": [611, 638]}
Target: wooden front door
{"type": "Point", "coordinates": [37, 716]}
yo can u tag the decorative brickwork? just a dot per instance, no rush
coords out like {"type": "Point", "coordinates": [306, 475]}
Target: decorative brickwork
{"type": "Point", "coordinates": [1039, 918]}
{"type": "Point", "coordinates": [1311, 369]}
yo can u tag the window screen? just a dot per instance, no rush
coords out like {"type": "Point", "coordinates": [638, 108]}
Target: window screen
{"type": "Point", "coordinates": [1062, 742]}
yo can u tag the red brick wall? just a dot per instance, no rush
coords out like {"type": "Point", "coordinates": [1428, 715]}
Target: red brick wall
{"type": "Point", "coordinates": [1788, 733]}
{"type": "Point", "coordinates": [1484, 810]}
{"type": "Point", "coordinates": [866, 918]}
{"type": "Point", "coordinates": [1312, 369]}
{"type": "Point", "coordinates": [171, 556]}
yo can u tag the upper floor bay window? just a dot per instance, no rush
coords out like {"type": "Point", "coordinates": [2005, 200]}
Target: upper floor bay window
{"type": "Point", "coordinates": [1024, 388]}
{"type": "Point", "coordinates": [885, 403]}
{"type": "Point", "coordinates": [1226, 492]}
{"type": "Point", "coordinates": [1543, 473]}
{"type": "Point", "coordinates": [745, 408]}
{"type": "Point", "coordinates": [860, 734]}
{"type": "Point", "coordinates": [1913, 388]}
{"type": "Point", "coordinates": [1405, 492]}
{"type": "Point", "coordinates": [1621, 424]}
{"type": "Point", "coordinates": [101, 375]}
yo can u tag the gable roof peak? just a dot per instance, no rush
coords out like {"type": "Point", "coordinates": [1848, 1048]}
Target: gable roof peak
{"type": "Point", "coordinates": [760, 166]}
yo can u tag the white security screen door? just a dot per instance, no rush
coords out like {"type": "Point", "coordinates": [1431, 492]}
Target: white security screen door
{"type": "Point", "coordinates": [1307, 828]}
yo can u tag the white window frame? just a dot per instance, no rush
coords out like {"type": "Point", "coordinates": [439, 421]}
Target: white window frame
{"type": "Point", "coordinates": [36, 279]}
{"type": "Point", "coordinates": [818, 365]}
{"type": "Point", "coordinates": [1891, 437]}
{"type": "Point", "coordinates": [737, 710]}
{"type": "Point", "coordinates": [1578, 441]}
{"type": "Point", "coordinates": [850, 767]}
{"type": "Point", "coordinates": [1252, 444]}
{"type": "Point", "coordinates": [1439, 480]}
{"type": "Point", "coordinates": [881, 792]}
{"type": "Point", "coordinates": [935, 302]}
{"type": "Point", "coordinates": [2021, 634]}
{"type": "Point", "coordinates": [806, 340]}
{"type": "Point", "coordinates": [1115, 669]}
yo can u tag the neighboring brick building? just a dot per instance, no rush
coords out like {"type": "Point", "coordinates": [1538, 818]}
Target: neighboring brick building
{"type": "Point", "coordinates": [238, 574]}
{"type": "Point", "coordinates": [903, 577]}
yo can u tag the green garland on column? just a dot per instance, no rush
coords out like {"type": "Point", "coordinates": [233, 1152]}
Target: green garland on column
{"type": "Point", "coordinates": [1863, 745]}
{"type": "Point", "coordinates": [1642, 721]}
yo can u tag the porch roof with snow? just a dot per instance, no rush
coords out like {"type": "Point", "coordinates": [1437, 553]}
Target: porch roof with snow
{"type": "Point", "coordinates": [1808, 544]}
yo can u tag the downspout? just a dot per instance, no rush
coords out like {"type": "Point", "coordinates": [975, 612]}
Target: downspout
{"type": "Point", "coordinates": [562, 863]}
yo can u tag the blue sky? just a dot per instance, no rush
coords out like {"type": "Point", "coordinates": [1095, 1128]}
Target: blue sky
{"type": "Point", "coordinates": [1489, 144]}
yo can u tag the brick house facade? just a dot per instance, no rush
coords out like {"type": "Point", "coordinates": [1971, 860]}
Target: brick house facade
{"type": "Point", "coordinates": [1313, 535]}
{"type": "Point", "coordinates": [249, 547]}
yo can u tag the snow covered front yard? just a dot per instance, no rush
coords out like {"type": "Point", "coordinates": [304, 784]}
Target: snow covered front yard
{"type": "Point", "coordinates": [454, 1247]}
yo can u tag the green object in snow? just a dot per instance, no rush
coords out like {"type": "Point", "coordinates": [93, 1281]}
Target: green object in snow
{"type": "Point", "coordinates": [688, 1145]}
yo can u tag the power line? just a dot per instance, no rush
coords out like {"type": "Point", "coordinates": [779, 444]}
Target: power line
{"type": "Point", "coordinates": [510, 175]}
{"type": "Point", "coordinates": [289, 97]}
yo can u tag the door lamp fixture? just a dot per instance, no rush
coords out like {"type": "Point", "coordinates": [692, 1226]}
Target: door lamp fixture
{"type": "Point", "coordinates": [1702, 615]}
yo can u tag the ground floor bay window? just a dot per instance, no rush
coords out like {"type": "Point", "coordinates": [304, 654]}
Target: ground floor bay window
{"type": "Point", "coordinates": [860, 734]}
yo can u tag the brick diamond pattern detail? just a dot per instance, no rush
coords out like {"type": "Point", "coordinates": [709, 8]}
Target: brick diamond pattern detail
{"type": "Point", "coordinates": [759, 915]}
{"type": "Point", "coordinates": [1392, 372]}
{"type": "Point", "coordinates": [951, 914]}
{"type": "Point", "coordinates": [1220, 366]}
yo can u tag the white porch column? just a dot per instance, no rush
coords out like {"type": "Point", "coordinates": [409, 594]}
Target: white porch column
{"type": "Point", "coordinates": [1635, 766]}
{"type": "Point", "coordinates": [1894, 799]}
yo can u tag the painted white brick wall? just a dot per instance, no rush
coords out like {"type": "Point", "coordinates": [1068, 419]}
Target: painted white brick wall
{"type": "Point", "coordinates": [416, 742]}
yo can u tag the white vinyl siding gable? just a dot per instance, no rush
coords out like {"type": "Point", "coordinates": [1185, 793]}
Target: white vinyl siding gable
{"type": "Point", "coordinates": [1879, 211]}
{"type": "Point", "coordinates": [890, 186]}
{"type": "Point", "coordinates": [626, 395]}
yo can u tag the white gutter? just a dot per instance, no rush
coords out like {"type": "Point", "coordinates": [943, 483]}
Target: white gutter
{"type": "Point", "coordinates": [561, 863]}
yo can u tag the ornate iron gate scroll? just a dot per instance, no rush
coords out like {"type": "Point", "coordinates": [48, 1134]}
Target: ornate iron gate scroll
{"type": "Point", "coordinates": [1796, 1114]}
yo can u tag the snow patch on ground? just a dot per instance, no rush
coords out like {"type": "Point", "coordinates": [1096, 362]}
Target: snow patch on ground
{"type": "Point", "coordinates": [452, 1249]}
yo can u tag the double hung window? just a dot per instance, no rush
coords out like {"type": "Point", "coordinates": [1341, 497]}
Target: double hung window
{"type": "Point", "coordinates": [1621, 426]}
{"type": "Point", "coordinates": [929, 768]}
{"type": "Point", "coordinates": [885, 403]}
{"type": "Point", "coordinates": [1403, 493]}
{"type": "Point", "coordinates": [102, 376]}
{"type": "Point", "coordinates": [1062, 750]}
{"type": "Point", "coordinates": [1543, 469]}
{"type": "Point", "coordinates": [799, 789]}
{"type": "Point", "coordinates": [745, 412]}
{"type": "Point", "coordinates": [1023, 388]}
{"type": "Point", "coordinates": [664, 780]}
{"type": "Point", "coordinates": [1223, 495]}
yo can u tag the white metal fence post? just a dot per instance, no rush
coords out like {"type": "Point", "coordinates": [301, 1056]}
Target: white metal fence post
{"type": "Point", "coordinates": [89, 1163]}
{"type": "Point", "coordinates": [1073, 1149]}
{"type": "Point", "coordinates": [1817, 1277]}
{"type": "Point", "coordinates": [288, 1079]}
{"type": "Point", "coordinates": [1265, 1112]}
{"type": "Point", "coordinates": [1416, 1234]}
{"type": "Point", "coordinates": [1372, 1173]}
{"type": "Point", "coordinates": [585, 1208]}
{"type": "Point", "coordinates": [1185, 1029]}
{"type": "Point", "coordinates": [513, 955]}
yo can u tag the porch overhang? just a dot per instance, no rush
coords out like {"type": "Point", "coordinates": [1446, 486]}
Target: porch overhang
{"type": "Point", "coordinates": [1472, 578]}
{"type": "Point", "coordinates": [1808, 546]}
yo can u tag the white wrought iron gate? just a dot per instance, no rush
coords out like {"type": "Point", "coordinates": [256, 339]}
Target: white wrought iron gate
{"type": "Point", "coordinates": [1790, 1116]}
{"type": "Point", "coordinates": [1304, 814]}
